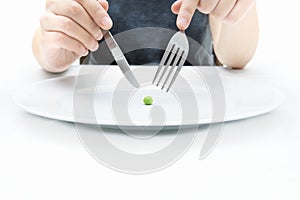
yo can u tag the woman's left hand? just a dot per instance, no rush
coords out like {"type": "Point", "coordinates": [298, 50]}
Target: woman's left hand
{"type": "Point", "coordinates": [228, 11]}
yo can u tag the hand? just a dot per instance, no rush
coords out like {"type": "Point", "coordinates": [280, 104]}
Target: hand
{"type": "Point", "coordinates": [229, 11]}
{"type": "Point", "coordinates": [70, 28]}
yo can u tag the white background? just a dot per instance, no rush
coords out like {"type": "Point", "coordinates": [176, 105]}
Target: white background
{"type": "Point", "coordinates": [255, 159]}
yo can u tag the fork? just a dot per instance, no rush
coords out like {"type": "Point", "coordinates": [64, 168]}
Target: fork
{"type": "Point", "coordinates": [175, 55]}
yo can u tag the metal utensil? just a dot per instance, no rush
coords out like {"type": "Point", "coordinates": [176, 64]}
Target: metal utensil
{"type": "Point", "coordinates": [120, 58]}
{"type": "Point", "coordinates": [175, 55]}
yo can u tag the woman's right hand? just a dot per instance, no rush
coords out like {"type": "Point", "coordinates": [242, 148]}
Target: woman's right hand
{"type": "Point", "coordinates": [68, 30]}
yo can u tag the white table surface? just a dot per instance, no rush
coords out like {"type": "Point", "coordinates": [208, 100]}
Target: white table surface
{"type": "Point", "coordinates": [257, 158]}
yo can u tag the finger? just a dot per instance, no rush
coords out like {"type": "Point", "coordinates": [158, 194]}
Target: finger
{"type": "Point", "coordinates": [76, 12]}
{"type": "Point", "coordinates": [176, 6]}
{"type": "Point", "coordinates": [186, 13]}
{"type": "Point", "coordinates": [63, 41]}
{"type": "Point", "coordinates": [104, 4]}
{"type": "Point", "coordinates": [206, 6]}
{"type": "Point", "coordinates": [239, 11]}
{"type": "Point", "coordinates": [97, 12]}
{"type": "Point", "coordinates": [57, 23]}
{"type": "Point", "coordinates": [223, 8]}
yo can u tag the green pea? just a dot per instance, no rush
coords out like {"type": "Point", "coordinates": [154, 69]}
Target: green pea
{"type": "Point", "coordinates": [148, 100]}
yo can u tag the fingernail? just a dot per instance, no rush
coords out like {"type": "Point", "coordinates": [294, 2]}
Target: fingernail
{"type": "Point", "coordinates": [182, 22]}
{"type": "Point", "coordinates": [106, 21]}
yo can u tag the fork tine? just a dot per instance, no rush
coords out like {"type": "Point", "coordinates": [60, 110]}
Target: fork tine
{"type": "Point", "coordinates": [178, 56]}
{"type": "Point", "coordinates": [170, 59]}
{"type": "Point", "coordinates": [163, 60]}
{"type": "Point", "coordinates": [175, 53]}
{"type": "Point", "coordinates": [183, 58]}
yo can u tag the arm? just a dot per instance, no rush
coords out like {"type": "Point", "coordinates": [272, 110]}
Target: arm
{"type": "Point", "coordinates": [235, 44]}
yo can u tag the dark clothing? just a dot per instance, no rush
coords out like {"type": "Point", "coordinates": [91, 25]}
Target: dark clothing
{"type": "Point", "coordinates": [142, 44]}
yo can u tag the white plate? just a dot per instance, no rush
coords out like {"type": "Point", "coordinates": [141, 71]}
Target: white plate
{"type": "Point", "coordinates": [244, 98]}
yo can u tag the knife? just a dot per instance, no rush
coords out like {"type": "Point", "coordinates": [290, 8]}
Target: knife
{"type": "Point", "coordinates": [120, 58]}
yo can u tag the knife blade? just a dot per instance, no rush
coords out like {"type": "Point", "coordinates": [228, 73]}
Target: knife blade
{"type": "Point", "coordinates": [120, 58]}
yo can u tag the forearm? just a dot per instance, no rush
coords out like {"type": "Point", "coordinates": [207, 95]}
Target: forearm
{"type": "Point", "coordinates": [235, 44]}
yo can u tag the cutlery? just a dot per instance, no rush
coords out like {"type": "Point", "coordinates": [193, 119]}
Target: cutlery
{"type": "Point", "coordinates": [120, 58]}
{"type": "Point", "coordinates": [172, 61]}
